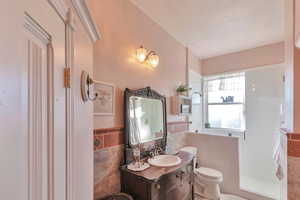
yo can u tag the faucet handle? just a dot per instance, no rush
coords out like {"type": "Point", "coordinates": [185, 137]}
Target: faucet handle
{"type": "Point", "coordinates": [152, 154]}
{"type": "Point", "coordinates": [158, 150]}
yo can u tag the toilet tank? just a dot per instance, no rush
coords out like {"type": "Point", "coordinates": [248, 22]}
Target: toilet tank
{"type": "Point", "coordinates": [192, 150]}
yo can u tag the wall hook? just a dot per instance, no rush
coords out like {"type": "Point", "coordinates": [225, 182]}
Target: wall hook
{"type": "Point", "coordinates": [87, 87]}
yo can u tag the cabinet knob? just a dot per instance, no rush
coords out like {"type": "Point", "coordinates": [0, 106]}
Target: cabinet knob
{"type": "Point", "coordinates": [180, 174]}
{"type": "Point", "coordinates": [157, 186]}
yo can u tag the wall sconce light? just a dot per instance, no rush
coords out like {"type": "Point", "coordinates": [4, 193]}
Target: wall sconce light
{"type": "Point", "coordinates": [86, 87]}
{"type": "Point", "coordinates": [147, 57]}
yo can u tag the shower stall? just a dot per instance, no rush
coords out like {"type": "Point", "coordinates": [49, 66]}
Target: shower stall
{"type": "Point", "coordinates": [263, 117]}
{"type": "Point", "coordinates": [255, 117]}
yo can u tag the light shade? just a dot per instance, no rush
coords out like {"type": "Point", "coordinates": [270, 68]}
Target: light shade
{"type": "Point", "coordinates": [153, 60]}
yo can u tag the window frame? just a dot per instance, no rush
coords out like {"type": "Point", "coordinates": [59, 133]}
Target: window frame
{"type": "Point", "coordinates": [205, 104]}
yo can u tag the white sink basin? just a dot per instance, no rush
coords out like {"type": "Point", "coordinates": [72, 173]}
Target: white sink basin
{"type": "Point", "coordinates": [164, 161]}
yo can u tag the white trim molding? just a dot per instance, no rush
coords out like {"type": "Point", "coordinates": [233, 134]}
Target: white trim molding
{"type": "Point", "coordinates": [60, 7]}
{"type": "Point", "coordinates": [70, 22]}
{"type": "Point", "coordinates": [33, 27]}
{"type": "Point", "coordinates": [85, 16]}
{"type": "Point", "coordinates": [70, 193]}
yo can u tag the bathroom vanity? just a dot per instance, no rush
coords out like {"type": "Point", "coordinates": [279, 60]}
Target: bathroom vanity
{"type": "Point", "coordinates": [146, 129]}
{"type": "Point", "coordinates": [172, 183]}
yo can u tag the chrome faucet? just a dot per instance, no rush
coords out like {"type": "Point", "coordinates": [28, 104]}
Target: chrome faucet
{"type": "Point", "coordinates": [156, 151]}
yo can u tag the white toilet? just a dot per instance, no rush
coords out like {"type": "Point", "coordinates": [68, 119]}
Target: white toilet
{"type": "Point", "coordinates": [207, 181]}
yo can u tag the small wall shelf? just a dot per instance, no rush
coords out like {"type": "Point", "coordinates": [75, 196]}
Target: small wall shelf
{"type": "Point", "coordinates": [181, 105]}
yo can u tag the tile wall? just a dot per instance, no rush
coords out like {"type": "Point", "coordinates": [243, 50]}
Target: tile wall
{"type": "Point", "coordinates": [109, 155]}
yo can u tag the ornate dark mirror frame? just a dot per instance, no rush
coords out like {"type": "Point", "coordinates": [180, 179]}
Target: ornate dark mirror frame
{"type": "Point", "coordinates": [145, 93]}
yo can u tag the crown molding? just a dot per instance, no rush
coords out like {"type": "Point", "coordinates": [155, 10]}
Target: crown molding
{"type": "Point", "coordinates": [85, 16]}
{"type": "Point", "coordinates": [60, 7]}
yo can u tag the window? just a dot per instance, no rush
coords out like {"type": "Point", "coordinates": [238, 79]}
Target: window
{"type": "Point", "coordinates": [224, 101]}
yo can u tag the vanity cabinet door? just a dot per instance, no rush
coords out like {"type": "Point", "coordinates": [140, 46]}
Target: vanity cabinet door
{"type": "Point", "coordinates": [138, 188]}
{"type": "Point", "coordinates": [175, 186]}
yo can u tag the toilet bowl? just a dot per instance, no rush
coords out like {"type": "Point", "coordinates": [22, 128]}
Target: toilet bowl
{"type": "Point", "coordinates": [207, 181]}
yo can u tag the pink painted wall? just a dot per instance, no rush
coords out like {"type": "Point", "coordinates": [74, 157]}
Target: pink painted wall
{"type": "Point", "coordinates": [292, 54]}
{"type": "Point", "coordinates": [260, 56]}
{"type": "Point", "coordinates": [124, 28]}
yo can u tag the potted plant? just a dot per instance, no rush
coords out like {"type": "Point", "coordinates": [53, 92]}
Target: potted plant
{"type": "Point", "coordinates": [182, 89]}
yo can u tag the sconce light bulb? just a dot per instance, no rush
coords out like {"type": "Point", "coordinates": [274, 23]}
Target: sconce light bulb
{"type": "Point", "coordinates": [149, 58]}
{"type": "Point", "coordinates": [141, 54]}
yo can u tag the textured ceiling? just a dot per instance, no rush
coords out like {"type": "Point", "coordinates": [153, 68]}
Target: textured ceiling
{"type": "Point", "coordinates": [216, 27]}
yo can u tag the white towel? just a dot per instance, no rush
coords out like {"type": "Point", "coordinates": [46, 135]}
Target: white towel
{"type": "Point", "coordinates": [278, 158]}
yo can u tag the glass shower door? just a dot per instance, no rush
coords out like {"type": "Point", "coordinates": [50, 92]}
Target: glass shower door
{"type": "Point", "coordinates": [264, 98]}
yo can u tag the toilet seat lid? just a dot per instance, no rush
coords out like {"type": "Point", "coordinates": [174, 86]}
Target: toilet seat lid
{"type": "Point", "coordinates": [190, 149]}
{"type": "Point", "coordinates": [209, 173]}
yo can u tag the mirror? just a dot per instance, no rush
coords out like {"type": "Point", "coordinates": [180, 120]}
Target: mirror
{"type": "Point", "coordinates": [146, 119]}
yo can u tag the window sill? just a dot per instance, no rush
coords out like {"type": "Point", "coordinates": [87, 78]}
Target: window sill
{"type": "Point", "coordinates": [222, 132]}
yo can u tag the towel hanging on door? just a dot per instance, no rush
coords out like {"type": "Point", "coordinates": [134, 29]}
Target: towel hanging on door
{"type": "Point", "coordinates": [279, 157]}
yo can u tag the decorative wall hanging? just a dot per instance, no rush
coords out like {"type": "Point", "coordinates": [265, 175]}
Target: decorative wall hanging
{"type": "Point", "coordinates": [105, 100]}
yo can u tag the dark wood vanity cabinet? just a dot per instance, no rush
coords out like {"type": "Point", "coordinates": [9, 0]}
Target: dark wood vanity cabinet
{"type": "Point", "coordinates": [175, 183]}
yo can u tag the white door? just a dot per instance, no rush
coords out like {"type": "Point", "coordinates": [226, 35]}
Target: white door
{"type": "Point", "coordinates": [45, 50]}
{"type": "Point", "coordinates": [32, 115]}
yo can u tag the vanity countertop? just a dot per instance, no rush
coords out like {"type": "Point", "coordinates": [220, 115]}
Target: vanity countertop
{"type": "Point", "coordinates": [154, 173]}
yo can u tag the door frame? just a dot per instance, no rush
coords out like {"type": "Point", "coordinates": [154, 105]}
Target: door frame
{"type": "Point", "coordinates": [43, 143]}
